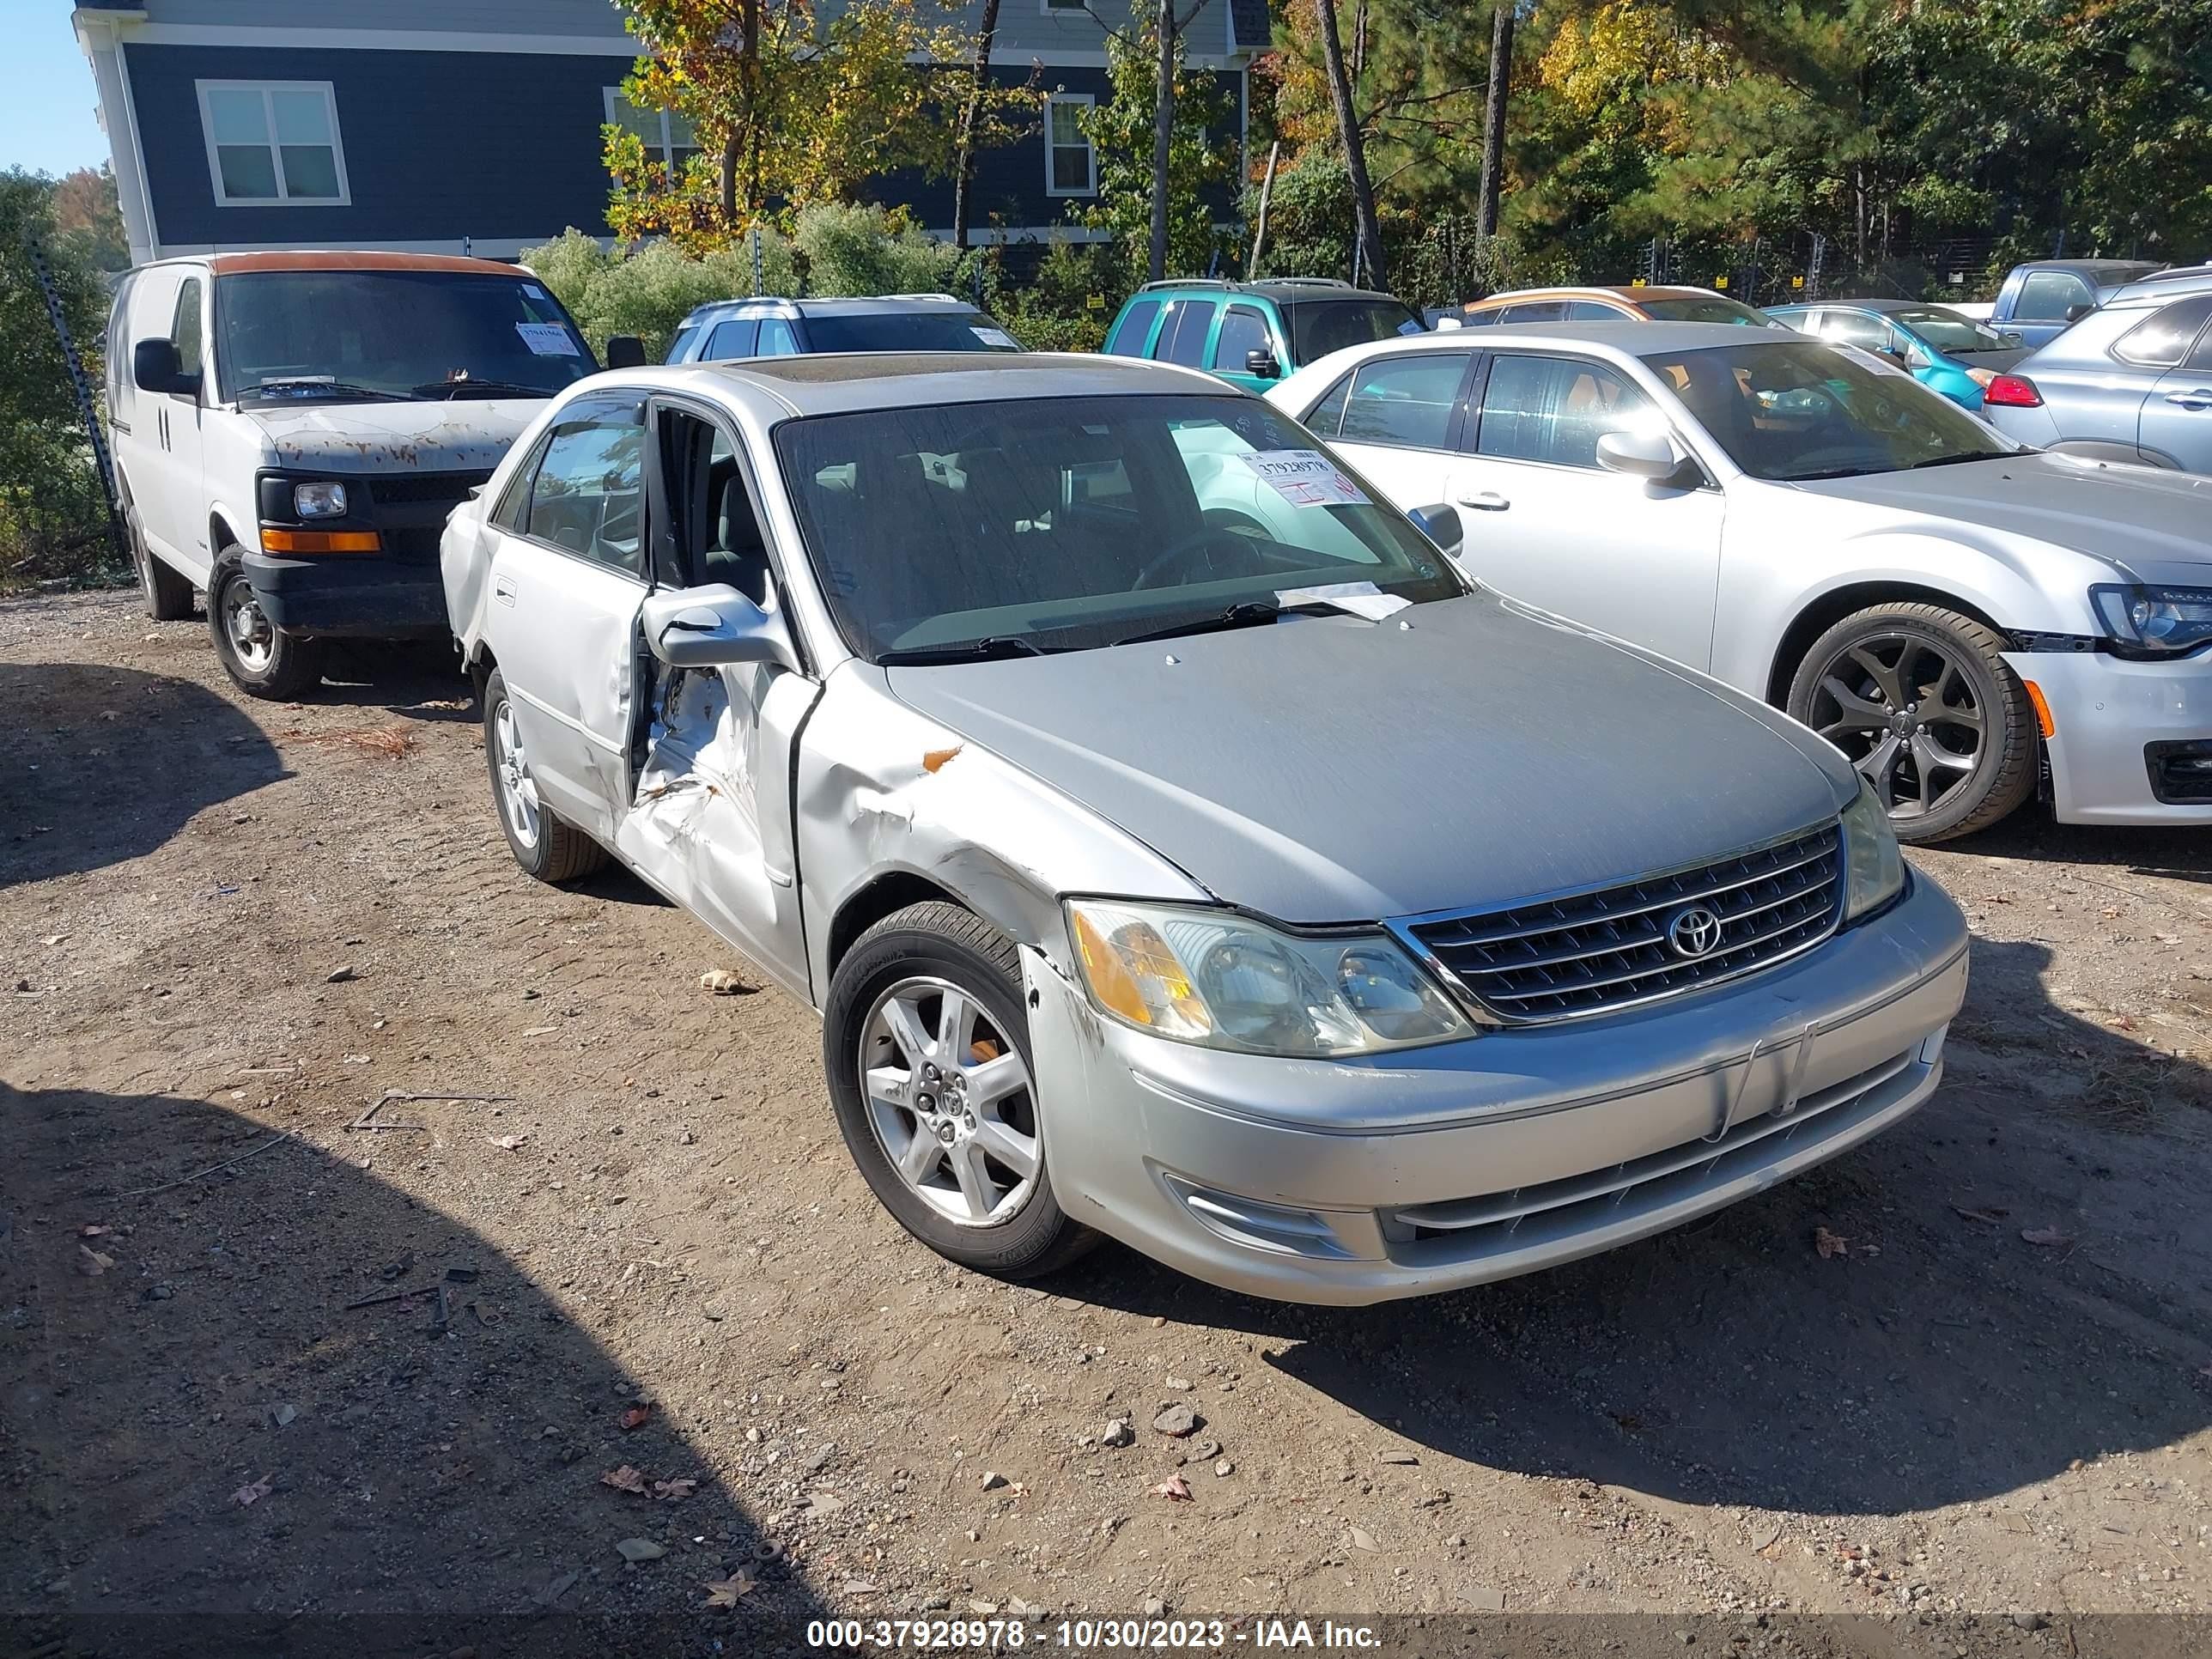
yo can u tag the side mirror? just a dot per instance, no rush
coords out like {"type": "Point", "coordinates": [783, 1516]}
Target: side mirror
{"type": "Point", "coordinates": [155, 367]}
{"type": "Point", "coordinates": [2077, 311]}
{"type": "Point", "coordinates": [1891, 355]}
{"type": "Point", "coordinates": [713, 627]}
{"type": "Point", "coordinates": [625, 351]}
{"type": "Point", "coordinates": [1440, 523]}
{"type": "Point", "coordinates": [1261, 364]}
{"type": "Point", "coordinates": [1639, 454]}
{"type": "Point", "coordinates": [1449, 321]}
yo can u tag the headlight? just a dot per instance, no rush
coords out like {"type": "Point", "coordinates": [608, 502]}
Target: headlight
{"type": "Point", "coordinates": [1223, 980]}
{"type": "Point", "coordinates": [1874, 870]}
{"type": "Point", "coordinates": [2154, 622]}
{"type": "Point", "coordinates": [319, 500]}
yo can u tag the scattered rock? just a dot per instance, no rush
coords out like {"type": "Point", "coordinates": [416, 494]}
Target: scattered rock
{"type": "Point", "coordinates": [1117, 1432]}
{"type": "Point", "coordinates": [639, 1549]}
{"type": "Point", "coordinates": [283, 1415]}
{"type": "Point", "coordinates": [1202, 1449]}
{"type": "Point", "coordinates": [2030, 1621]}
{"type": "Point", "coordinates": [1398, 1458]}
{"type": "Point", "coordinates": [1485, 1600]}
{"type": "Point", "coordinates": [1181, 1382]}
{"type": "Point", "coordinates": [1154, 1608]}
{"type": "Point", "coordinates": [723, 983]}
{"type": "Point", "coordinates": [1223, 1467]}
{"type": "Point", "coordinates": [1363, 1539]}
{"type": "Point", "coordinates": [939, 1603]}
{"type": "Point", "coordinates": [1021, 1609]}
{"type": "Point", "coordinates": [993, 1480]}
{"type": "Point", "coordinates": [1177, 1419]}
{"type": "Point", "coordinates": [342, 975]}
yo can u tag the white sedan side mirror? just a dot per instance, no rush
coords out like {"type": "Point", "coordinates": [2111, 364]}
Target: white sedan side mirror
{"type": "Point", "coordinates": [713, 627]}
{"type": "Point", "coordinates": [1639, 454]}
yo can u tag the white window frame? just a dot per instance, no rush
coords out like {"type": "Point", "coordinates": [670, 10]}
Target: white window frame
{"type": "Point", "coordinates": [1082, 100]}
{"type": "Point", "coordinates": [1064, 8]}
{"type": "Point", "coordinates": [665, 153]}
{"type": "Point", "coordinates": [283, 198]}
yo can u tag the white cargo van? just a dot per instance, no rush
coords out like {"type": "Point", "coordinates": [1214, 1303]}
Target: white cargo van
{"type": "Point", "coordinates": [291, 430]}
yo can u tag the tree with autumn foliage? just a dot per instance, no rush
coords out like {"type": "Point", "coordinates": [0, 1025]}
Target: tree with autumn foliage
{"type": "Point", "coordinates": [793, 105]}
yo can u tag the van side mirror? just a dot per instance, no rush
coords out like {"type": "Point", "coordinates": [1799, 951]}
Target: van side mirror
{"type": "Point", "coordinates": [714, 626]}
{"type": "Point", "coordinates": [155, 367]}
{"type": "Point", "coordinates": [1259, 363]}
{"type": "Point", "coordinates": [625, 351]}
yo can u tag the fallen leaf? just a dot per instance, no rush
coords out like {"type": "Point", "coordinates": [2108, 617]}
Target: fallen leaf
{"type": "Point", "coordinates": [506, 1143]}
{"type": "Point", "coordinates": [2049, 1238]}
{"type": "Point", "coordinates": [674, 1489]}
{"type": "Point", "coordinates": [1991, 1216]}
{"type": "Point", "coordinates": [727, 1592]}
{"type": "Point", "coordinates": [2124, 1023]}
{"type": "Point", "coordinates": [92, 1263]}
{"type": "Point", "coordinates": [1830, 1244]}
{"type": "Point", "coordinates": [637, 1417]}
{"type": "Point", "coordinates": [1173, 1486]}
{"type": "Point", "coordinates": [625, 1479]}
{"type": "Point", "coordinates": [246, 1497]}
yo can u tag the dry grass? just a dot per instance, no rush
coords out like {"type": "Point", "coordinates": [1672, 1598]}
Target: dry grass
{"type": "Point", "coordinates": [392, 742]}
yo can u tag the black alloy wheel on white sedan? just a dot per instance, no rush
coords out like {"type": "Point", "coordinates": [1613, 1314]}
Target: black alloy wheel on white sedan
{"type": "Point", "coordinates": [926, 1046]}
{"type": "Point", "coordinates": [1921, 702]}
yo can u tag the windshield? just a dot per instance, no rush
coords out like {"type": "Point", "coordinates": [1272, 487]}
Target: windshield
{"type": "Point", "coordinates": [304, 336]}
{"type": "Point", "coordinates": [1320, 327]}
{"type": "Point", "coordinates": [946, 330]}
{"type": "Point", "coordinates": [1798, 410]}
{"type": "Point", "coordinates": [1947, 330]}
{"type": "Point", "coordinates": [1704, 309]}
{"type": "Point", "coordinates": [1065, 523]}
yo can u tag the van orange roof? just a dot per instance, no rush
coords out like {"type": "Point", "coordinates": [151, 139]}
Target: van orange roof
{"type": "Point", "coordinates": [225, 265]}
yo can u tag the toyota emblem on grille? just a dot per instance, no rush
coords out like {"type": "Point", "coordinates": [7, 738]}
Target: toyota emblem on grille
{"type": "Point", "coordinates": [1693, 931]}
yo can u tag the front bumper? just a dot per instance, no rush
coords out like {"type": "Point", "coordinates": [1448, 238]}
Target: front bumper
{"type": "Point", "coordinates": [1352, 1183]}
{"type": "Point", "coordinates": [365, 595]}
{"type": "Point", "coordinates": [2105, 711]}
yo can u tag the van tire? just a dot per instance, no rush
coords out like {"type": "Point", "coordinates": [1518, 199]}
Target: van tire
{"type": "Point", "coordinates": [277, 665]}
{"type": "Point", "coordinates": [168, 594]}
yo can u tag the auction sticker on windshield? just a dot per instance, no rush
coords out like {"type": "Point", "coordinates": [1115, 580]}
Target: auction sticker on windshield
{"type": "Point", "coordinates": [547, 340]}
{"type": "Point", "coordinates": [1304, 477]}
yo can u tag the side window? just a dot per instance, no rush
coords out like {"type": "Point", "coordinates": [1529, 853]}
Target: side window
{"type": "Point", "coordinates": [1182, 337]}
{"type": "Point", "coordinates": [2202, 356]}
{"type": "Point", "coordinates": [185, 326]}
{"type": "Point", "coordinates": [1857, 328]}
{"type": "Point", "coordinates": [776, 339]}
{"type": "Point", "coordinates": [1554, 409]}
{"type": "Point", "coordinates": [1535, 311]}
{"type": "Point", "coordinates": [2162, 339]}
{"type": "Point", "coordinates": [1243, 332]}
{"type": "Point", "coordinates": [1328, 415]}
{"type": "Point", "coordinates": [679, 347]}
{"type": "Point", "coordinates": [589, 494]}
{"type": "Point", "coordinates": [1133, 329]}
{"type": "Point", "coordinates": [119, 347]}
{"type": "Point", "coordinates": [714, 536]}
{"type": "Point", "coordinates": [2045, 295]}
{"type": "Point", "coordinates": [513, 511]}
{"type": "Point", "coordinates": [1590, 311]}
{"type": "Point", "coordinates": [1405, 400]}
{"type": "Point", "coordinates": [732, 339]}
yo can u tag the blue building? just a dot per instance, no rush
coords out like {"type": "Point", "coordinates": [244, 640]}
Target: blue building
{"type": "Point", "coordinates": [473, 125]}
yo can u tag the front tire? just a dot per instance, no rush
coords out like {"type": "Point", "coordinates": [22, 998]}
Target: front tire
{"type": "Point", "coordinates": [547, 846]}
{"type": "Point", "coordinates": [1921, 702]}
{"type": "Point", "coordinates": [926, 1046]}
{"type": "Point", "coordinates": [263, 659]}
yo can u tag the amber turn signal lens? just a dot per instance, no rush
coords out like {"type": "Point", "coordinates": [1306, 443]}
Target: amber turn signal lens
{"type": "Point", "coordinates": [320, 541]}
{"type": "Point", "coordinates": [2042, 709]}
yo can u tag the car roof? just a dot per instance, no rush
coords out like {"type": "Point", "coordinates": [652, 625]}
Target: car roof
{"type": "Point", "coordinates": [2186, 280]}
{"type": "Point", "coordinates": [1631, 336]}
{"type": "Point", "coordinates": [1626, 292]}
{"type": "Point", "coordinates": [2115, 270]}
{"type": "Point", "coordinates": [227, 264]}
{"type": "Point", "coordinates": [841, 382]}
{"type": "Point", "coordinates": [881, 305]}
{"type": "Point", "coordinates": [1283, 290]}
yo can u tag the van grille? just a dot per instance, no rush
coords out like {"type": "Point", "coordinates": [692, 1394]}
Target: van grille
{"type": "Point", "coordinates": [1593, 953]}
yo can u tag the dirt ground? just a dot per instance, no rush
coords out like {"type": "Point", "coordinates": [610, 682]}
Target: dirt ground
{"type": "Point", "coordinates": [383, 1368]}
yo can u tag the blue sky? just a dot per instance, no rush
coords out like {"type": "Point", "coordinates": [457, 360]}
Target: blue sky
{"type": "Point", "coordinates": [46, 114]}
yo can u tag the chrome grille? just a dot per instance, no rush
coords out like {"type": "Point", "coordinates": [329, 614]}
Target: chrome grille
{"type": "Point", "coordinates": [1592, 953]}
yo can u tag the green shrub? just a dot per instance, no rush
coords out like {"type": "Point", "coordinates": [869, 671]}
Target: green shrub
{"type": "Point", "coordinates": [854, 250]}
{"type": "Point", "coordinates": [649, 289]}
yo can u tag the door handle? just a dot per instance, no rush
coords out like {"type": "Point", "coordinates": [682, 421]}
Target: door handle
{"type": "Point", "coordinates": [1485, 501]}
{"type": "Point", "coordinates": [2200, 398]}
{"type": "Point", "coordinates": [502, 590]}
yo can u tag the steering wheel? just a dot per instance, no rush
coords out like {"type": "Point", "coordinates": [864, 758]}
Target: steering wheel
{"type": "Point", "coordinates": [1161, 562]}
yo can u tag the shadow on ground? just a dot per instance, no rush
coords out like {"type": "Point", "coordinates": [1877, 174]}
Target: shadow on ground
{"type": "Point", "coordinates": [1729, 1363]}
{"type": "Point", "coordinates": [420, 1484]}
{"type": "Point", "coordinates": [105, 764]}
{"type": "Point", "coordinates": [415, 679]}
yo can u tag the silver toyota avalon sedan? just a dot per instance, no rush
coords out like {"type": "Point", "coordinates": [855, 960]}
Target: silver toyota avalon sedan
{"type": "Point", "coordinates": [1174, 846]}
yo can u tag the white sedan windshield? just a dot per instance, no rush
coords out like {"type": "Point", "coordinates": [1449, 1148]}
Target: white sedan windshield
{"type": "Point", "coordinates": [1058, 524]}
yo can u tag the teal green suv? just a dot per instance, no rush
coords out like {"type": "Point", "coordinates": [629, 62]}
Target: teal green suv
{"type": "Point", "coordinates": [1252, 334]}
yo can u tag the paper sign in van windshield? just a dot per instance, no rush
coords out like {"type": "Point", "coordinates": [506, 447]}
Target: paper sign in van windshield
{"type": "Point", "coordinates": [1304, 477]}
{"type": "Point", "coordinates": [547, 340]}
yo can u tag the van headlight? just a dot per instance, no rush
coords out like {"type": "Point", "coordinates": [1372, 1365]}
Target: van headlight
{"type": "Point", "coordinates": [318, 501]}
{"type": "Point", "coordinates": [1223, 980]}
{"type": "Point", "coordinates": [1874, 870]}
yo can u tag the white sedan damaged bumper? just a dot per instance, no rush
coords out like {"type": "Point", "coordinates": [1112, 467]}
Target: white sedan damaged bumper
{"type": "Point", "coordinates": [1521, 1149]}
{"type": "Point", "coordinates": [2131, 743]}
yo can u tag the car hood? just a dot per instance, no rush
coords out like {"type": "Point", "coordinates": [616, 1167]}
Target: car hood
{"type": "Point", "coordinates": [1329, 769]}
{"type": "Point", "coordinates": [2144, 520]}
{"type": "Point", "coordinates": [457, 436]}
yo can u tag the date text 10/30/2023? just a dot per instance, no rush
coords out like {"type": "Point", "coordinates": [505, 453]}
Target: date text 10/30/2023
{"type": "Point", "coordinates": [1091, 1635]}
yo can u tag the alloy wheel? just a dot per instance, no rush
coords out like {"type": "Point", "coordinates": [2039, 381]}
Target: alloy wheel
{"type": "Point", "coordinates": [949, 1099]}
{"type": "Point", "coordinates": [517, 790]}
{"type": "Point", "coordinates": [1906, 712]}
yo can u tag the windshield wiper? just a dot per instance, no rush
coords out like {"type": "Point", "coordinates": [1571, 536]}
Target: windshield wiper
{"type": "Point", "coordinates": [436, 389]}
{"type": "Point", "coordinates": [297, 384]}
{"type": "Point", "coordinates": [1245, 613]}
{"type": "Point", "coordinates": [983, 650]}
{"type": "Point", "coordinates": [1831, 472]}
{"type": "Point", "coordinates": [1963, 455]}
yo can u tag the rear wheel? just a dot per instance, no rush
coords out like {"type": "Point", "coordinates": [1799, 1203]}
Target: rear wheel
{"type": "Point", "coordinates": [168, 594]}
{"type": "Point", "coordinates": [545, 845]}
{"type": "Point", "coordinates": [263, 659]}
{"type": "Point", "coordinates": [1921, 702]}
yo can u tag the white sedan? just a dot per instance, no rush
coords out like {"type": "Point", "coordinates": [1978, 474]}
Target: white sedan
{"type": "Point", "coordinates": [1816, 528]}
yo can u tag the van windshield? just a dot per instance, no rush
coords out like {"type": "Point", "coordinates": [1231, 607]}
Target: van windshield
{"type": "Point", "coordinates": [331, 336]}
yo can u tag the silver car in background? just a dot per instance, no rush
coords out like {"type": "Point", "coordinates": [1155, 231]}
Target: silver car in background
{"type": "Point", "coordinates": [2131, 382]}
{"type": "Point", "coordinates": [1811, 525]}
{"type": "Point", "coordinates": [1174, 846]}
